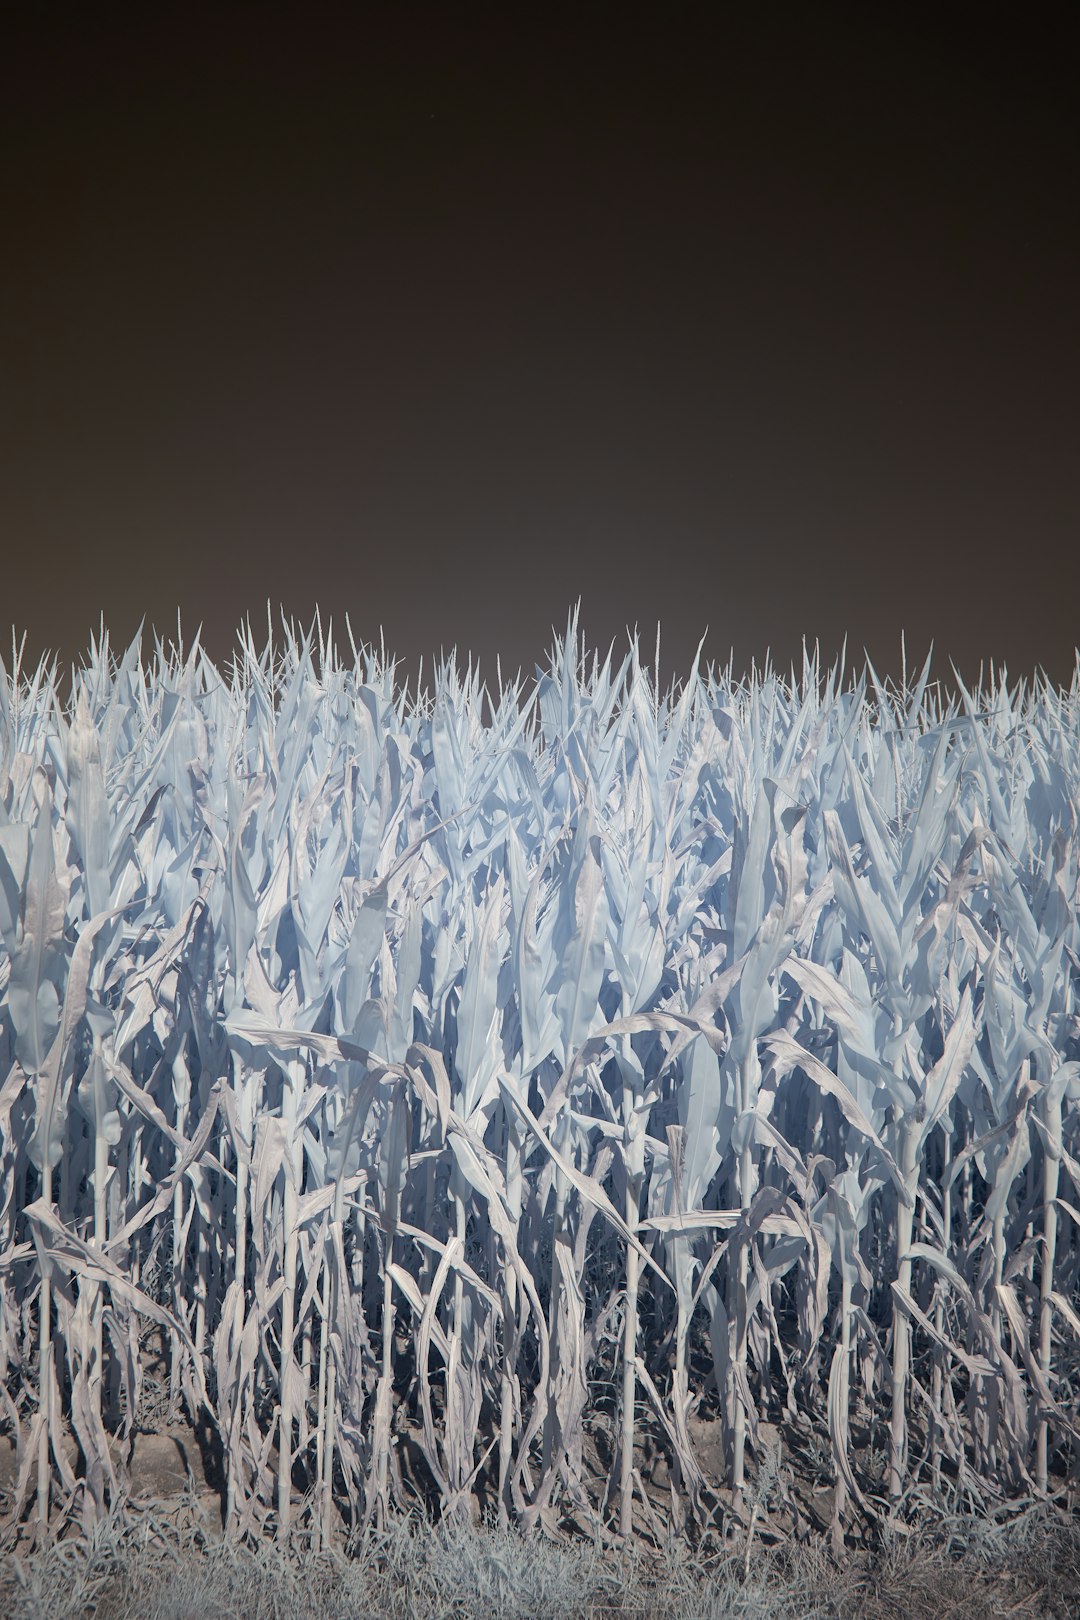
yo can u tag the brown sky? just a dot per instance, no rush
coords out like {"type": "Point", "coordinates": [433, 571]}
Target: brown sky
{"type": "Point", "coordinates": [445, 320]}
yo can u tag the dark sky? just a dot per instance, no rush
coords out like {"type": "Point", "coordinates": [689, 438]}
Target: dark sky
{"type": "Point", "coordinates": [446, 316]}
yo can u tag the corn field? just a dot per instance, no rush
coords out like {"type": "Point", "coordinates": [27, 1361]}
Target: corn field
{"type": "Point", "coordinates": [506, 1080]}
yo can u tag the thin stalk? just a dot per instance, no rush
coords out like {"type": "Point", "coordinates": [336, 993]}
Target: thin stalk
{"type": "Point", "coordinates": [840, 1501]}
{"type": "Point", "coordinates": [392, 1188]}
{"type": "Point", "coordinates": [288, 1307]}
{"type": "Point", "coordinates": [290, 1233]}
{"type": "Point", "coordinates": [322, 1301]}
{"type": "Point", "coordinates": [629, 1383]}
{"type": "Point", "coordinates": [506, 1397]}
{"type": "Point", "coordinates": [742, 1278]}
{"type": "Point", "coordinates": [557, 1229]}
{"type": "Point", "coordinates": [385, 1380]}
{"type": "Point", "coordinates": [746, 1166]}
{"type": "Point", "coordinates": [97, 1303]}
{"type": "Point", "coordinates": [510, 1333]}
{"type": "Point", "coordinates": [1051, 1163]}
{"type": "Point", "coordinates": [901, 1328]}
{"type": "Point", "coordinates": [181, 1085]}
{"type": "Point", "coordinates": [454, 1426]}
{"type": "Point", "coordinates": [335, 1274]}
{"type": "Point", "coordinates": [329, 1443]}
{"type": "Point", "coordinates": [45, 1380]}
{"type": "Point", "coordinates": [939, 1313]}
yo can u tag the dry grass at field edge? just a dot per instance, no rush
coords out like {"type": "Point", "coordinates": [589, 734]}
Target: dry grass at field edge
{"type": "Point", "coordinates": [169, 1564]}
